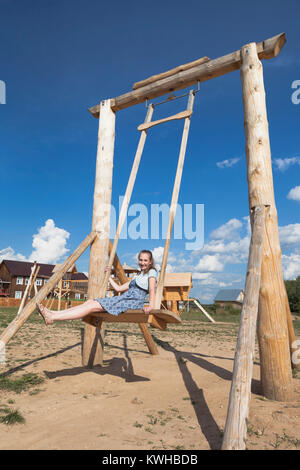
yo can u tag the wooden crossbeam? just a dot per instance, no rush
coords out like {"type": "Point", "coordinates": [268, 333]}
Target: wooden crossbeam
{"type": "Point", "coordinates": [181, 115]}
{"type": "Point", "coordinates": [266, 49]}
{"type": "Point", "coordinates": [169, 73]}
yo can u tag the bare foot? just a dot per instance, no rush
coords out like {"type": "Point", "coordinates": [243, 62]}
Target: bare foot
{"type": "Point", "coordinates": [44, 312]}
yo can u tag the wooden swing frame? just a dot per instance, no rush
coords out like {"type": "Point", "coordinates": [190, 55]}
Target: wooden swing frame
{"type": "Point", "coordinates": [265, 293]}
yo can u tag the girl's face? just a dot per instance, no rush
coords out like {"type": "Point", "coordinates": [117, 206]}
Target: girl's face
{"type": "Point", "coordinates": [144, 261]}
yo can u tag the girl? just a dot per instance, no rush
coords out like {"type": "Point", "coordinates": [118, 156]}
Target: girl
{"type": "Point", "coordinates": [133, 297]}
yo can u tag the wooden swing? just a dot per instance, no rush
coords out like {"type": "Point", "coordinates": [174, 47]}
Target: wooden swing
{"type": "Point", "coordinates": [265, 293]}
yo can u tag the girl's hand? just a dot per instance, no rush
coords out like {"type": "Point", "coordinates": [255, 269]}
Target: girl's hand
{"type": "Point", "coordinates": [147, 309]}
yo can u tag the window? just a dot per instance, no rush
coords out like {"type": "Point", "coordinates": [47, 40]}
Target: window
{"type": "Point", "coordinates": [66, 284]}
{"type": "Point", "coordinates": [18, 294]}
{"type": "Point", "coordinates": [85, 296]}
{"type": "Point", "coordinates": [19, 280]}
{"type": "Point", "coordinates": [38, 282]}
{"type": "Point", "coordinates": [77, 296]}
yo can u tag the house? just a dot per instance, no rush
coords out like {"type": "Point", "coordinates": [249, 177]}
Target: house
{"type": "Point", "coordinates": [14, 277]}
{"type": "Point", "coordinates": [233, 297]}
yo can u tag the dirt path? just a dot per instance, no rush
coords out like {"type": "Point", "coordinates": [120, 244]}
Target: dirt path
{"type": "Point", "coordinates": [177, 400]}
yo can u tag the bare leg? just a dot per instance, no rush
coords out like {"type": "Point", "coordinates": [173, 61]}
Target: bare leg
{"type": "Point", "coordinates": [73, 313]}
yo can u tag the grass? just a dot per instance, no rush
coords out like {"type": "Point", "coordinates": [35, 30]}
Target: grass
{"type": "Point", "coordinates": [11, 416]}
{"type": "Point", "coordinates": [20, 384]}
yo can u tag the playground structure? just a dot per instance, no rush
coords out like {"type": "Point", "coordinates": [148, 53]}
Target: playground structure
{"type": "Point", "coordinates": [176, 288]}
{"type": "Point", "coordinates": [265, 294]}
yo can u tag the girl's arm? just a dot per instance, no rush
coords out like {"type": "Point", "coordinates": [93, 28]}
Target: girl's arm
{"type": "Point", "coordinates": [151, 295]}
{"type": "Point", "coordinates": [118, 288]}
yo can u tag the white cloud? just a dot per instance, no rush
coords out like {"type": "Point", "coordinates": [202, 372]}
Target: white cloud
{"type": "Point", "coordinates": [289, 234]}
{"type": "Point", "coordinates": [228, 163]}
{"type": "Point", "coordinates": [294, 194]}
{"type": "Point", "coordinates": [9, 253]}
{"type": "Point", "coordinates": [227, 230]}
{"type": "Point", "coordinates": [49, 243]}
{"type": "Point", "coordinates": [291, 265]}
{"type": "Point", "coordinates": [284, 163]}
{"type": "Point", "coordinates": [209, 263]}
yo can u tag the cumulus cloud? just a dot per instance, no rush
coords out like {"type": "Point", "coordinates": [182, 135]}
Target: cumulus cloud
{"type": "Point", "coordinates": [9, 253]}
{"type": "Point", "coordinates": [227, 231]}
{"type": "Point", "coordinates": [294, 194]}
{"type": "Point", "coordinates": [289, 234]}
{"type": "Point", "coordinates": [209, 263]}
{"type": "Point", "coordinates": [283, 164]}
{"type": "Point", "coordinates": [228, 163]}
{"type": "Point", "coordinates": [291, 265]}
{"type": "Point", "coordinates": [49, 243]}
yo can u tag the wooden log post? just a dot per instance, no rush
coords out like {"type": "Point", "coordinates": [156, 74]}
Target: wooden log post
{"type": "Point", "coordinates": [92, 352]}
{"type": "Point", "coordinates": [235, 432]}
{"type": "Point", "coordinates": [276, 373]}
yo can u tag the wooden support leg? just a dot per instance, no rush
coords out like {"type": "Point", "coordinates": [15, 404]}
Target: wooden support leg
{"type": "Point", "coordinates": [237, 415]}
{"type": "Point", "coordinates": [93, 338]}
{"type": "Point", "coordinates": [276, 373]}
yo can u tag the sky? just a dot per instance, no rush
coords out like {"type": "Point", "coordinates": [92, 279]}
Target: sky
{"type": "Point", "coordinates": [60, 57]}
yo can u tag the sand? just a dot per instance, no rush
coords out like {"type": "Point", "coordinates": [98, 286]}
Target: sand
{"type": "Point", "coordinates": [175, 400]}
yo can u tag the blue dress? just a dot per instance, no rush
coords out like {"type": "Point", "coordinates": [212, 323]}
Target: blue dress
{"type": "Point", "coordinates": [132, 299]}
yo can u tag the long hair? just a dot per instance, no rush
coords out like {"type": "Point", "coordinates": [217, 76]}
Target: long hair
{"type": "Point", "coordinates": [152, 263]}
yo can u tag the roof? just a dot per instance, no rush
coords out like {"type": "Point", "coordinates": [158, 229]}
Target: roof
{"type": "Point", "coordinates": [23, 268]}
{"type": "Point", "coordinates": [229, 295]}
{"type": "Point", "coordinates": [178, 279]}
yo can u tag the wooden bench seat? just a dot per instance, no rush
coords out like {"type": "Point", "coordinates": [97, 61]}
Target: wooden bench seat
{"type": "Point", "coordinates": [157, 318]}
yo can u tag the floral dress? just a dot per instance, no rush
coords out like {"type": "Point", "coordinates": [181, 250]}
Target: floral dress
{"type": "Point", "coordinates": [133, 299]}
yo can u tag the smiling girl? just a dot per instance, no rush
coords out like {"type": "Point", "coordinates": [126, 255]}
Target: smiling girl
{"type": "Point", "coordinates": [132, 297]}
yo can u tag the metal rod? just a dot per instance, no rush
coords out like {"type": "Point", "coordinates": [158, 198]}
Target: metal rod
{"type": "Point", "coordinates": [174, 97]}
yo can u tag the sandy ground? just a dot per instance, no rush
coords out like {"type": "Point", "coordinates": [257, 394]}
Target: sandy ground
{"type": "Point", "coordinates": [176, 400]}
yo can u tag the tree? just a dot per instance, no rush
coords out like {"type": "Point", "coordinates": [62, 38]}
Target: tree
{"type": "Point", "coordinates": [293, 292]}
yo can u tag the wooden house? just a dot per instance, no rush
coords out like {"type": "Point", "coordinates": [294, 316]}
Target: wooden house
{"type": "Point", "coordinates": [14, 277]}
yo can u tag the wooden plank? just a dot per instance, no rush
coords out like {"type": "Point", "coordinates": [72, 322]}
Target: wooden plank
{"type": "Point", "coordinates": [203, 310]}
{"type": "Point", "coordinates": [181, 115]}
{"type": "Point", "coordinates": [175, 194]}
{"type": "Point", "coordinates": [16, 324]}
{"type": "Point", "coordinates": [170, 72]}
{"type": "Point", "coordinates": [178, 279]}
{"type": "Point", "coordinates": [276, 373]}
{"type": "Point", "coordinates": [235, 433]}
{"type": "Point", "coordinates": [157, 322]}
{"type": "Point", "coordinates": [28, 288]}
{"type": "Point", "coordinates": [137, 316]}
{"type": "Point", "coordinates": [214, 68]}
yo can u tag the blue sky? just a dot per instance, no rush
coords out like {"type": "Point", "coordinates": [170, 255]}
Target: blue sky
{"type": "Point", "coordinates": [60, 57]}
